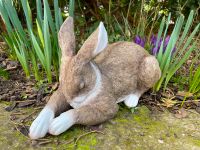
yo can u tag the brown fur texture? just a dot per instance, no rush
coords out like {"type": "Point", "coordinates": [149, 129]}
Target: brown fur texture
{"type": "Point", "coordinates": [125, 68]}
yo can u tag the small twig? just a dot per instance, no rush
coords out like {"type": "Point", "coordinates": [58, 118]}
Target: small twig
{"type": "Point", "coordinates": [43, 139]}
{"type": "Point", "coordinates": [70, 141]}
{"type": "Point", "coordinates": [25, 101]}
{"type": "Point", "coordinates": [189, 101]}
{"type": "Point", "coordinates": [15, 124]}
{"type": "Point", "coordinates": [75, 143]}
{"type": "Point", "coordinates": [23, 119]}
{"type": "Point", "coordinates": [37, 108]}
{"type": "Point", "coordinates": [45, 142]}
{"type": "Point", "coordinates": [11, 68]}
{"type": "Point", "coordinates": [18, 113]}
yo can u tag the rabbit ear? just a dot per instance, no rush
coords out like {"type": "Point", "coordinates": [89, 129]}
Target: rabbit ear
{"type": "Point", "coordinates": [95, 44]}
{"type": "Point", "coordinates": [102, 40]}
{"type": "Point", "coordinates": [66, 38]}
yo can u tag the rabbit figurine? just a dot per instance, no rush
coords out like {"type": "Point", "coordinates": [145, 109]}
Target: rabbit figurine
{"type": "Point", "coordinates": [94, 80]}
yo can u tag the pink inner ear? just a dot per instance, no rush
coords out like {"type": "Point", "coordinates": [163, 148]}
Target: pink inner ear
{"type": "Point", "coordinates": [102, 40]}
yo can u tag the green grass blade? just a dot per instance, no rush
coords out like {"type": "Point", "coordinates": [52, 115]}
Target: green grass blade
{"type": "Point", "coordinates": [4, 74]}
{"type": "Point", "coordinates": [15, 19]}
{"type": "Point", "coordinates": [195, 81]}
{"type": "Point", "coordinates": [162, 24]}
{"type": "Point", "coordinates": [160, 52]}
{"type": "Point", "coordinates": [27, 13]}
{"type": "Point", "coordinates": [173, 39]}
{"type": "Point", "coordinates": [172, 70]}
{"type": "Point", "coordinates": [60, 17]}
{"type": "Point", "coordinates": [39, 12]}
{"type": "Point", "coordinates": [49, 18]}
{"type": "Point", "coordinates": [38, 50]}
{"type": "Point", "coordinates": [47, 43]}
{"type": "Point", "coordinates": [40, 34]}
{"type": "Point", "coordinates": [186, 29]}
{"type": "Point", "coordinates": [56, 9]}
{"type": "Point", "coordinates": [5, 17]}
{"type": "Point", "coordinates": [21, 54]}
{"type": "Point", "coordinates": [191, 73]}
{"type": "Point", "coordinates": [192, 69]}
{"type": "Point", "coordinates": [119, 26]}
{"type": "Point", "coordinates": [188, 42]}
{"type": "Point", "coordinates": [35, 66]}
{"type": "Point", "coordinates": [71, 8]}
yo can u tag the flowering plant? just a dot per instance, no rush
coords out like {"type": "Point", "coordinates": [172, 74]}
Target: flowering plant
{"type": "Point", "coordinates": [171, 51]}
{"type": "Point", "coordinates": [153, 41]}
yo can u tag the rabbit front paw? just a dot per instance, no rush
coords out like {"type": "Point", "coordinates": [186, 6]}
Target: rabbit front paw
{"type": "Point", "coordinates": [61, 123]}
{"type": "Point", "coordinates": [40, 125]}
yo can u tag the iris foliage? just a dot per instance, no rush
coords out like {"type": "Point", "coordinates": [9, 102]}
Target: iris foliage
{"type": "Point", "coordinates": [33, 46]}
{"type": "Point", "coordinates": [182, 39]}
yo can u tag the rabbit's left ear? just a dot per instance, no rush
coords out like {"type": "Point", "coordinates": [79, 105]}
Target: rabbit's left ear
{"type": "Point", "coordinates": [95, 44]}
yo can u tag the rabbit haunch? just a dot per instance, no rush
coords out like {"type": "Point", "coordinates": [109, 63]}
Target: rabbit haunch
{"type": "Point", "coordinates": [94, 80]}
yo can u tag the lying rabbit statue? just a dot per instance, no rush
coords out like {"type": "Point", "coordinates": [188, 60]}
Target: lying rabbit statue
{"type": "Point", "coordinates": [94, 80]}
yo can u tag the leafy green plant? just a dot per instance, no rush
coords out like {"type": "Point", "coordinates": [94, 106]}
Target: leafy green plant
{"type": "Point", "coordinates": [194, 79]}
{"type": "Point", "coordinates": [32, 46]}
{"type": "Point", "coordinates": [170, 63]}
{"type": "Point", "coordinates": [4, 73]}
{"type": "Point", "coordinates": [16, 35]}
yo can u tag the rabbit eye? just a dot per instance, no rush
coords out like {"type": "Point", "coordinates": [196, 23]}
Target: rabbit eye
{"type": "Point", "coordinates": [82, 84]}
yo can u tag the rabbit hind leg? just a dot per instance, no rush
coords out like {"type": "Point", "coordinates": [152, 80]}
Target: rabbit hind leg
{"type": "Point", "coordinates": [132, 100]}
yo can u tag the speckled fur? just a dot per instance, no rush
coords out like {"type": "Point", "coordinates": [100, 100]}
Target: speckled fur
{"type": "Point", "coordinates": [125, 68]}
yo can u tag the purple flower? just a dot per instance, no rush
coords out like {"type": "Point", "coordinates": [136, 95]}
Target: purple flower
{"type": "Point", "coordinates": [154, 50]}
{"type": "Point", "coordinates": [140, 41]}
{"type": "Point", "coordinates": [137, 39]}
{"type": "Point", "coordinates": [153, 41]}
{"type": "Point", "coordinates": [167, 40]}
{"type": "Point", "coordinates": [166, 43]}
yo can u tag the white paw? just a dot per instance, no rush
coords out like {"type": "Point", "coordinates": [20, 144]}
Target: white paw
{"type": "Point", "coordinates": [131, 100]}
{"type": "Point", "coordinates": [40, 125]}
{"type": "Point", "coordinates": [61, 123]}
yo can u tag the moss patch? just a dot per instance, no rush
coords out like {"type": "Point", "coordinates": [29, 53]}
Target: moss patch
{"type": "Point", "coordinates": [138, 130]}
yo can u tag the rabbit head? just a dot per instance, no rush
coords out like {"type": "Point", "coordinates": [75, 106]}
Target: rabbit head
{"type": "Point", "coordinates": [75, 70]}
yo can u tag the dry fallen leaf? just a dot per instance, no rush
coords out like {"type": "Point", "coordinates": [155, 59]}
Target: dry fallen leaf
{"type": "Point", "coordinates": [23, 129]}
{"type": "Point", "coordinates": [181, 113]}
{"type": "Point", "coordinates": [11, 107]}
{"type": "Point", "coordinates": [168, 102]}
{"type": "Point", "coordinates": [26, 103]}
{"type": "Point", "coordinates": [168, 93]}
{"type": "Point", "coordinates": [184, 93]}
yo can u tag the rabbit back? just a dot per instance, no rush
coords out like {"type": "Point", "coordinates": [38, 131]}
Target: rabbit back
{"type": "Point", "coordinates": [120, 63]}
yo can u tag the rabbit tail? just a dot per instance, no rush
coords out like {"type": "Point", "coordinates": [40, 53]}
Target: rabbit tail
{"type": "Point", "coordinates": [149, 71]}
